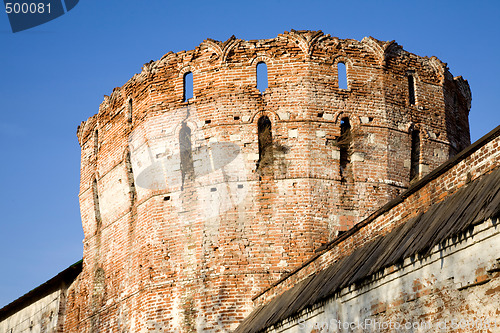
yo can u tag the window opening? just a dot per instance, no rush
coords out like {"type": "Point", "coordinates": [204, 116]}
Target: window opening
{"type": "Point", "coordinates": [261, 76]}
{"type": "Point", "coordinates": [411, 89]}
{"type": "Point", "coordinates": [415, 154]}
{"type": "Point", "coordinates": [96, 142]}
{"type": "Point", "coordinates": [342, 75]}
{"type": "Point", "coordinates": [455, 105]}
{"type": "Point", "coordinates": [265, 134]}
{"type": "Point", "coordinates": [129, 111]}
{"type": "Point", "coordinates": [97, 209]}
{"type": "Point", "coordinates": [130, 177]}
{"type": "Point", "coordinates": [188, 86]}
{"type": "Point", "coordinates": [345, 147]}
{"type": "Point", "coordinates": [187, 167]}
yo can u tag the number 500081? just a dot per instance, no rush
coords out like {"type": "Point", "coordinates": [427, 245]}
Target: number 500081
{"type": "Point", "coordinates": [26, 8]}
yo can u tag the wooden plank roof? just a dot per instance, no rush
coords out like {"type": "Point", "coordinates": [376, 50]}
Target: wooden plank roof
{"type": "Point", "coordinates": [64, 278]}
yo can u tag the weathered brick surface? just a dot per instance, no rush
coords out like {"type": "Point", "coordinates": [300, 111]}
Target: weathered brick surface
{"type": "Point", "coordinates": [159, 258]}
{"type": "Point", "coordinates": [452, 288]}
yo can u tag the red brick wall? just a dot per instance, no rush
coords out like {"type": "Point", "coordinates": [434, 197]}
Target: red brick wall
{"type": "Point", "coordinates": [159, 260]}
{"type": "Point", "coordinates": [478, 162]}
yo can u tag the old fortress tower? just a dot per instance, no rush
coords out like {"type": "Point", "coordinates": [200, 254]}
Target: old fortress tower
{"type": "Point", "coordinates": [312, 159]}
{"type": "Point", "coordinates": [204, 196]}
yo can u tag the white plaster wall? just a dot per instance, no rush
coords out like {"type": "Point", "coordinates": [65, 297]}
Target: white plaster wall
{"type": "Point", "coordinates": [114, 194]}
{"type": "Point", "coordinates": [40, 316]}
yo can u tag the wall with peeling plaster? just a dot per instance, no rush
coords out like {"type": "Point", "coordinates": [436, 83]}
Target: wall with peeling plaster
{"type": "Point", "coordinates": [41, 315]}
{"type": "Point", "coordinates": [453, 289]}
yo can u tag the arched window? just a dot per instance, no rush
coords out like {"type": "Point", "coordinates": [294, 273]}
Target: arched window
{"type": "Point", "coordinates": [261, 76]}
{"type": "Point", "coordinates": [342, 75]}
{"type": "Point", "coordinates": [411, 89]}
{"type": "Point", "coordinates": [97, 209]}
{"type": "Point", "coordinates": [415, 154]}
{"type": "Point", "coordinates": [344, 143]}
{"type": "Point", "coordinates": [188, 86]}
{"type": "Point", "coordinates": [185, 146]}
{"type": "Point", "coordinates": [265, 135]}
{"type": "Point", "coordinates": [130, 177]}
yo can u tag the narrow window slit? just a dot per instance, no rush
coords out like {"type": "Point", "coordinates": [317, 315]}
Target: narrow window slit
{"type": "Point", "coordinates": [187, 166]}
{"type": "Point", "coordinates": [97, 209]}
{"type": "Point", "coordinates": [265, 135]}
{"type": "Point", "coordinates": [411, 89]}
{"type": "Point", "coordinates": [96, 142]}
{"type": "Point", "coordinates": [455, 107]}
{"type": "Point", "coordinates": [188, 86]}
{"type": "Point", "coordinates": [130, 178]}
{"type": "Point", "coordinates": [342, 75]}
{"type": "Point", "coordinates": [415, 154]}
{"type": "Point", "coordinates": [262, 76]}
{"type": "Point", "coordinates": [344, 144]}
{"type": "Point", "coordinates": [129, 111]}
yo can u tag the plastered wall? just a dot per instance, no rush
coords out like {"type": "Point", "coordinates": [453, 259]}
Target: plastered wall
{"type": "Point", "coordinates": [454, 289]}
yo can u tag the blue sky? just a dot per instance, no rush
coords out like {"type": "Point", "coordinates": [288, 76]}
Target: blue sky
{"type": "Point", "coordinates": [55, 75]}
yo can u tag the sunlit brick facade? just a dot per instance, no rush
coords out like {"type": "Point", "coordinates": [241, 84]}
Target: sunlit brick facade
{"type": "Point", "coordinates": [190, 207]}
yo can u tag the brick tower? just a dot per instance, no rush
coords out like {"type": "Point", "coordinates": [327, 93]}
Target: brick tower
{"type": "Point", "coordinates": [191, 205]}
